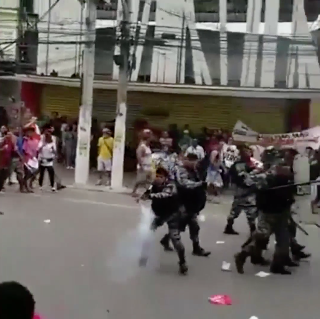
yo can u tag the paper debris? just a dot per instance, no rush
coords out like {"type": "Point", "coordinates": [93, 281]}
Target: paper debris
{"type": "Point", "coordinates": [253, 317]}
{"type": "Point", "coordinates": [226, 266]}
{"type": "Point", "coordinates": [82, 265]}
{"type": "Point", "coordinates": [202, 218]}
{"type": "Point", "coordinates": [47, 221]}
{"type": "Point", "coordinates": [219, 242]}
{"type": "Point", "coordinates": [262, 274]}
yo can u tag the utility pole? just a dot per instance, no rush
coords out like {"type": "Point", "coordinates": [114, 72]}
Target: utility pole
{"type": "Point", "coordinates": [85, 112]}
{"type": "Point", "coordinates": [120, 125]}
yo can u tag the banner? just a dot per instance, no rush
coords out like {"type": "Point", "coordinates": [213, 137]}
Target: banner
{"type": "Point", "coordinates": [310, 137]}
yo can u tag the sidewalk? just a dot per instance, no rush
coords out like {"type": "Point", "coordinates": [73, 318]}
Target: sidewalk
{"type": "Point", "coordinates": [67, 177]}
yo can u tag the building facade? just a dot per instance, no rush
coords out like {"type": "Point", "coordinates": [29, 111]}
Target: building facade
{"type": "Point", "coordinates": [241, 45]}
{"type": "Point", "coordinates": [253, 43]}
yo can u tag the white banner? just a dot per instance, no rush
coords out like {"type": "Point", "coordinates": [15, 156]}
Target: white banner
{"type": "Point", "coordinates": [310, 137]}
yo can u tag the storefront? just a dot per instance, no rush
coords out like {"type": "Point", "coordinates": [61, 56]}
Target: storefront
{"type": "Point", "coordinates": [162, 109]}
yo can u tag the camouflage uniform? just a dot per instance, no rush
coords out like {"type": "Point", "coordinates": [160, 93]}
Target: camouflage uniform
{"type": "Point", "coordinates": [274, 212]}
{"type": "Point", "coordinates": [192, 194]}
{"type": "Point", "coordinates": [244, 198]}
{"type": "Point", "coordinates": [165, 205]}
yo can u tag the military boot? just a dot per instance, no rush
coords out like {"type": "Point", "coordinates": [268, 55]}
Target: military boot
{"type": "Point", "coordinates": [290, 263]}
{"type": "Point", "coordinates": [240, 260]}
{"type": "Point", "coordinates": [259, 260]}
{"type": "Point", "coordinates": [183, 268]}
{"type": "Point", "coordinates": [199, 251]}
{"type": "Point", "coordinates": [298, 255]}
{"type": "Point", "coordinates": [229, 229]}
{"type": "Point", "coordinates": [165, 242]}
{"type": "Point", "coordinates": [278, 265]}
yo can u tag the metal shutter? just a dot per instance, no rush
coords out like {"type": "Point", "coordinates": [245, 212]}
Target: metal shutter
{"type": "Point", "coordinates": [61, 99]}
{"type": "Point", "coordinates": [104, 107]}
{"type": "Point", "coordinates": [197, 111]}
{"type": "Point", "coordinates": [264, 115]}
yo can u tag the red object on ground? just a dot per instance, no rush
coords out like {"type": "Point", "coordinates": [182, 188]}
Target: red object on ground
{"type": "Point", "coordinates": [223, 300]}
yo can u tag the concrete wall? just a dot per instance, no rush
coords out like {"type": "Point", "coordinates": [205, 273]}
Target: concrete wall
{"type": "Point", "coordinates": [259, 56]}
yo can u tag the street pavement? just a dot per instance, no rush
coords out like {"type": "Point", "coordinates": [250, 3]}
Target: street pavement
{"type": "Point", "coordinates": [77, 251]}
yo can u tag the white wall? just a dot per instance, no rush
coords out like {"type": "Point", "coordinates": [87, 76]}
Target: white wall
{"type": "Point", "coordinates": [65, 27]}
{"type": "Point", "coordinates": [10, 4]}
{"type": "Point", "coordinates": [303, 68]}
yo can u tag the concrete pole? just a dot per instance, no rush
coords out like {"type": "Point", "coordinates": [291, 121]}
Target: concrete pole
{"type": "Point", "coordinates": [121, 115]}
{"type": "Point", "coordinates": [85, 113]}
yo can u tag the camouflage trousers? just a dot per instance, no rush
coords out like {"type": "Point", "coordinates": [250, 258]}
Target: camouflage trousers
{"type": "Point", "coordinates": [236, 209]}
{"type": "Point", "coordinates": [267, 225]}
{"type": "Point", "coordinates": [173, 234]}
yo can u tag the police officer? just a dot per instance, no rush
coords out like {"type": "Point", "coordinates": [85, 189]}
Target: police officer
{"type": "Point", "coordinates": [244, 198]}
{"type": "Point", "coordinates": [192, 194]}
{"type": "Point", "coordinates": [274, 207]}
{"type": "Point", "coordinates": [165, 205]}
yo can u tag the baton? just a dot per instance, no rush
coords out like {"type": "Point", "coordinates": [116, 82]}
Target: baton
{"type": "Point", "coordinates": [295, 184]}
{"type": "Point", "coordinates": [298, 226]}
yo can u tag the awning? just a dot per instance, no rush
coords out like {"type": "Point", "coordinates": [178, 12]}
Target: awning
{"type": "Point", "coordinates": [176, 88]}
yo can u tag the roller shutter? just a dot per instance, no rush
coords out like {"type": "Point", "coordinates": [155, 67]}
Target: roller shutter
{"type": "Point", "coordinates": [61, 99]}
{"type": "Point", "coordinates": [104, 107]}
{"type": "Point", "coordinates": [264, 115]}
{"type": "Point", "coordinates": [197, 111]}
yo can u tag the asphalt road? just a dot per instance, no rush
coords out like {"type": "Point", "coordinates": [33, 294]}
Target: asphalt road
{"type": "Point", "coordinates": [83, 264]}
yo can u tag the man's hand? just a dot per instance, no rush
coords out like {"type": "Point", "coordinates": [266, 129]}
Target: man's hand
{"type": "Point", "coordinates": [145, 196]}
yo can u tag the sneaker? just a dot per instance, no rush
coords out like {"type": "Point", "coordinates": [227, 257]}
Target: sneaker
{"type": "Point", "coordinates": [53, 189]}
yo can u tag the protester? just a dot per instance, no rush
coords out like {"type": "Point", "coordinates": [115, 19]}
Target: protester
{"type": "Point", "coordinates": [36, 134]}
{"type": "Point", "coordinates": [196, 149]}
{"type": "Point", "coordinates": [185, 141]}
{"type": "Point", "coordinates": [144, 158]}
{"type": "Point", "coordinates": [214, 178]}
{"type": "Point", "coordinates": [47, 153]}
{"type": "Point", "coordinates": [166, 142]}
{"type": "Point", "coordinates": [105, 153]}
{"type": "Point", "coordinates": [69, 144]}
{"type": "Point", "coordinates": [30, 157]}
{"type": "Point", "coordinates": [6, 150]}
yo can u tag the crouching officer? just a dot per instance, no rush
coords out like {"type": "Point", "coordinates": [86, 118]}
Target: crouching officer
{"type": "Point", "coordinates": [165, 205]}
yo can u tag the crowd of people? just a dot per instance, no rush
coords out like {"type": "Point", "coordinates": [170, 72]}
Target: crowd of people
{"type": "Point", "coordinates": [263, 189]}
{"type": "Point", "coordinates": [27, 152]}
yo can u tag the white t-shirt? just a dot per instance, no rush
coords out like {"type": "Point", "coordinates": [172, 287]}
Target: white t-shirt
{"type": "Point", "coordinates": [47, 153]}
{"type": "Point", "coordinates": [198, 150]}
{"type": "Point", "coordinates": [146, 160]}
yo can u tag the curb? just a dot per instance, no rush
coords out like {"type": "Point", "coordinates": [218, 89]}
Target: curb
{"type": "Point", "coordinates": [100, 189]}
{"type": "Point", "coordinates": [127, 190]}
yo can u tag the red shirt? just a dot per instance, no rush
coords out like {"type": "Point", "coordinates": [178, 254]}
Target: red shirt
{"type": "Point", "coordinates": [6, 153]}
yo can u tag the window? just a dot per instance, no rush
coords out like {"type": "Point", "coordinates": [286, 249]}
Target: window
{"type": "Point", "coordinates": [27, 4]}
